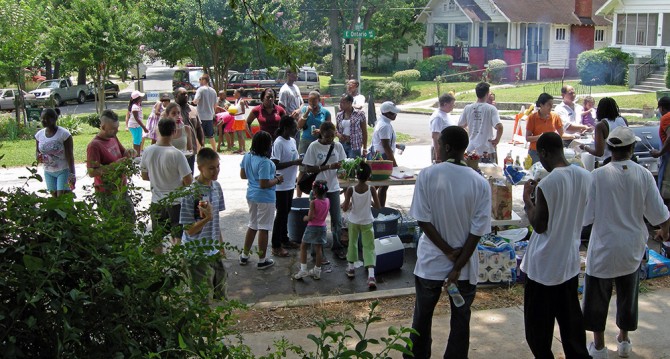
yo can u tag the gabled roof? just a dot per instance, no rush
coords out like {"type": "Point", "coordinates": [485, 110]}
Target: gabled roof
{"type": "Point", "coordinates": [473, 11]}
{"type": "Point", "coordinates": [607, 7]}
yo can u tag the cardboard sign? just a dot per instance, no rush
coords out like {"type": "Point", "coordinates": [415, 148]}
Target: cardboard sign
{"type": "Point", "coordinates": [152, 96]}
{"type": "Point", "coordinates": [501, 201]}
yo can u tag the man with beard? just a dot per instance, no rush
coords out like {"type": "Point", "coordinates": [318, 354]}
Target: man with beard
{"type": "Point", "coordinates": [189, 116]}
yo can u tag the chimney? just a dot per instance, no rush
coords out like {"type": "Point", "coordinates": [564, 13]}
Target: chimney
{"type": "Point", "coordinates": [584, 8]}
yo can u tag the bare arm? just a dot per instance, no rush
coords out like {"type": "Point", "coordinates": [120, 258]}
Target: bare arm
{"type": "Point", "coordinates": [282, 165]}
{"type": "Point", "coordinates": [69, 153]}
{"type": "Point", "coordinates": [664, 149]}
{"type": "Point", "coordinates": [310, 214]}
{"type": "Point", "coordinates": [317, 169]}
{"type": "Point", "coordinates": [364, 132]}
{"type": "Point", "coordinates": [269, 183]}
{"type": "Point", "coordinates": [189, 140]}
{"type": "Point", "coordinates": [136, 115]}
{"type": "Point", "coordinates": [243, 174]}
{"type": "Point", "coordinates": [499, 133]}
{"type": "Point", "coordinates": [434, 236]}
{"type": "Point", "coordinates": [347, 199]}
{"type": "Point", "coordinates": [197, 227]}
{"type": "Point", "coordinates": [436, 146]}
{"type": "Point", "coordinates": [37, 151]}
{"type": "Point", "coordinates": [386, 144]}
{"type": "Point", "coordinates": [187, 180]}
{"type": "Point", "coordinates": [375, 198]}
{"type": "Point", "coordinates": [463, 257]}
{"type": "Point", "coordinates": [145, 176]}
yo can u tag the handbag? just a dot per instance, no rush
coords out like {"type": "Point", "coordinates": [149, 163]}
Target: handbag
{"type": "Point", "coordinates": [305, 183]}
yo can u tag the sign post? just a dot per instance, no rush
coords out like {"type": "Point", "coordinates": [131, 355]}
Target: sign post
{"type": "Point", "coordinates": [358, 33]}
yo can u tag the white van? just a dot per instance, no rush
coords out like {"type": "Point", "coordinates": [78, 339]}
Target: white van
{"type": "Point", "coordinates": [308, 79]}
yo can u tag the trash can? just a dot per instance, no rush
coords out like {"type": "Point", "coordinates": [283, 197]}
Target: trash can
{"type": "Point", "coordinates": [296, 226]}
{"type": "Point", "coordinates": [387, 223]}
{"type": "Point", "coordinates": [33, 113]}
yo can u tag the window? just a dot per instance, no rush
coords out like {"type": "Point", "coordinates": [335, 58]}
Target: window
{"type": "Point", "coordinates": [560, 34]}
{"type": "Point", "coordinates": [449, 5]}
{"type": "Point", "coordinates": [599, 35]}
{"type": "Point", "coordinates": [637, 29]}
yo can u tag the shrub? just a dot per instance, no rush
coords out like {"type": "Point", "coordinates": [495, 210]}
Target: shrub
{"type": "Point", "coordinates": [12, 131]}
{"type": "Point", "coordinates": [406, 77]}
{"type": "Point", "coordinates": [70, 123]}
{"type": "Point", "coordinates": [92, 119]}
{"type": "Point", "coordinates": [327, 65]}
{"type": "Point", "coordinates": [603, 66]}
{"type": "Point", "coordinates": [389, 91]}
{"type": "Point", "coordinates": [433, 66]}
{"type": "Point", "coordinates": [495, 70]}
{"type": "Point", "coordinates": [667, 74]}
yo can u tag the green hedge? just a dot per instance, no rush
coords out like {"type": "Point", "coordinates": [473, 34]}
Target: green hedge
{"type": "Point", "coordinates": [434, 66]}
{"type": "Point", "coordinates": [603, 66]}
{"type": "Point", "coordinates": [406, 77]}
{"type": "Point", "coordinates": [667, 73]}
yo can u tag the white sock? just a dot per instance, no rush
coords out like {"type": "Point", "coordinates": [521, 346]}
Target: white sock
{"type": "Point", "coordinates": [317, 268]}
{"type": "Point", "coordinates": [244, 256]}
{"type": "Point", "coordinates": [350, 266]}
{"type": "Point", "coordinates": [303, 267]}
{"type": "Point", "coordinates": [371, 272]}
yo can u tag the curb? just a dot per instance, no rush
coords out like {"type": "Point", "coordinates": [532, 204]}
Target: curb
{"type": "Point", "coordinates": [354, 297]}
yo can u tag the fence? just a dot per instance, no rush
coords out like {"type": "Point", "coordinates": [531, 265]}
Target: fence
{"type": "Point", "coordinates": [554, 88]}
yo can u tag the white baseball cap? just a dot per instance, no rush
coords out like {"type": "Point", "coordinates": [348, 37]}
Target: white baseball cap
{"type": "Point", "coordinates": [389, 106]}
{"type": "Point", "coordinates": [622, 136]}
{"type": "Point", "coordinates": [135, 94]}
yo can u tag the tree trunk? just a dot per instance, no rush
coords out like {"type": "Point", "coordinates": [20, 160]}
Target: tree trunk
{"type": "Point", "coordinates": [336, 44]}
{"type": "Point", "coordinates": [19, 83]}
{"type": "Point", "coordinates": [81, 76]}
{"type": "Point", "coordinates": [56, 73]}
{"type": "Point", "coordinates": [47, 69]}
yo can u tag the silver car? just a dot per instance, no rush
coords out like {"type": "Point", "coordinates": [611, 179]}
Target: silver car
{"type": "Point", "coordinates": [8, 96]}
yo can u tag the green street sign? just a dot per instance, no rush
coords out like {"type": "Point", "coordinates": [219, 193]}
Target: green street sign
{"type": "Point", "coordinates": [358, 34]}
{"type": "Point", "coordinates": [358, 26]}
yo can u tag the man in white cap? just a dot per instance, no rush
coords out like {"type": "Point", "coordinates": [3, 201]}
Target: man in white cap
{"type": "Point", "coordinates": [622, 194]}
{"type": "Point", "coordinates": [383, 140]}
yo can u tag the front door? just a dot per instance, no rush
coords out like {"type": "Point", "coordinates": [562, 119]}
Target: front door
{"type": "Point", "coordinates": [534, 49]}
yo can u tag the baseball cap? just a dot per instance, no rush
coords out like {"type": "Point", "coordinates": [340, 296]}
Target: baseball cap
{"type": "Point", "coordinates": [135, 94]}
{"type": "Point", "coordinates": [165, 97]}
{"type": "Point", "coordinates": [622, 136]}
{"type": "Point", "coordinates": [389, 106]}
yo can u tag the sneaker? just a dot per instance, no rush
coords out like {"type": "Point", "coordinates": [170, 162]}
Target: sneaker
{"type": "Point", "coordinates": [266, 264]}
{"type": "Point", "coordinates": [351, 272]}
{"type": "Point", "coordinates": [301, 274]}
{"type": "Point", "coordinates": [244, 260]}
{"type": "Point", "coordinates": [624, 348]}
{"type": "Point", "coordinates": [372, 283]}
{"type": "Point", "coordinates": [597, 354]}
{"type": "Point", "coordinates": [315, 273]}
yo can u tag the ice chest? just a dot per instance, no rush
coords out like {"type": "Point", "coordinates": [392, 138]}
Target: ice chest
{"type": "Point", "coordinates": [390, 253]}
{"type": "Point", "coordinates": [658, 265]}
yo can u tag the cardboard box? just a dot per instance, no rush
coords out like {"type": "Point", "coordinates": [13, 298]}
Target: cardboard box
{"type": "Point", "coordinates": [658, 265]}
{"type": "Point", "coordinates": [501, 201]}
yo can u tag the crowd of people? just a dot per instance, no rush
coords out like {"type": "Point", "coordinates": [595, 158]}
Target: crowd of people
{"type": "Point", "coordinates": [297, 140]}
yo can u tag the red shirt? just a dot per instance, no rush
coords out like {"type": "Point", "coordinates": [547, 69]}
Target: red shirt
{"type": "Point", "coordinates": [662, 130]}
{"type": "Point", "coordinates": [101, 152]}
{"type": "Point", "coordinates": [269, 121]}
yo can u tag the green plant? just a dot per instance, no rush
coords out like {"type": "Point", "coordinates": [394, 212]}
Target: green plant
{"type": "Point", "coordinates": [71, 123]}
{"type": "Point", "coordinates": [389, 91]}
{"type": "Point", "coordinates": [495, 70]}
{"type": "Point", "coordinates": [327, 65]}
{"type": "Point", "coordinates": [603, 66]}
{"type": "Point", "coordinates": [12, 131]}
{"type": "Point", "coordinates": [92, 119]}
{"type": "Point", "coordinates": [433, 66]}
{"type": "Point", "coordinates": [667, 74]}
{"type": "Point", "coordinates": [406, 77]}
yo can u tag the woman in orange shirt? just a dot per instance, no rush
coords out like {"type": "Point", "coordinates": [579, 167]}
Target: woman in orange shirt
{"type": "Point", "coordinates": [544, 120]}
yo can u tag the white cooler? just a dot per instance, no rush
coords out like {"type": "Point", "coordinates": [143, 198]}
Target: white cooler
{"type": "Point", "coordinates": [390, 253]}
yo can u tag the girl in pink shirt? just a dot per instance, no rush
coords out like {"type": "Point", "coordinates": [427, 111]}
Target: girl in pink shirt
{"type": "Point", "coordinates": [315, 233]}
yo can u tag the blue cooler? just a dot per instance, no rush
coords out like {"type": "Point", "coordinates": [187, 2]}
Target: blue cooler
{"type": "Point", "coordinates": [390, 253]}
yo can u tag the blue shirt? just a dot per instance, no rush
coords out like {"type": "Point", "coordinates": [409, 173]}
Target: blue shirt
{"type": "Point", "coordinates": [313, 120]}
{"type": "Point", "coordinates": [189, 212]}
{"type": "Point", "coordinates": [258, 168]}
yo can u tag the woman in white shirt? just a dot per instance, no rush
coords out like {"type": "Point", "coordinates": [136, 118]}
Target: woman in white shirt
{"type": "Point", "coordinates": [53, 148]}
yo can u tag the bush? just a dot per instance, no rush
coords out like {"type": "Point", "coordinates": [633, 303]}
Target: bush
{"type": "Point", "coordinates": [327, 65]}
{"type": "Point", "coordinates": [667, 74]}
{"type": "Point", "coordinates": [92, 119]}
{"type": "Point", "coordinates": [12, 131]}
{"type": "Point", "coordinates": [495, 70]}
{"type": "Point", "coordinates": [70, 123]}
{"type": "Point", "coordinates": [406, 77]}
{"type": "Point", "coordinates": [389, 91]}
{"type": "Point", "coordinates": [603, 66]}
{"type": "Point", "coordinates": [386, 67]}
{"type": "Point", "coordinates": [433, 66]}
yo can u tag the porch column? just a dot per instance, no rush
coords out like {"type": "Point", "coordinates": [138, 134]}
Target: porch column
{"type": "Point", "coordinates": [430, 34]}
{"type": "Point", "coordinates": [615, 25]}
{"type": "Point", "coordinates": [451, 33]}
{"type": "Point", "coordinates": [485, 40]}
{"type": "Point", "coordinates": [659, 31]}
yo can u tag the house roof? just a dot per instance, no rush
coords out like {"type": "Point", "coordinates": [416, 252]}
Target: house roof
{"type": "Point", "coordinates": [473, 11]}
{"type": "Point", "coordinates": [548, 11]}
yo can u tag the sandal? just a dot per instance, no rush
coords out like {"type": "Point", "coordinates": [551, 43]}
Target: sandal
{"type": "Point", "coordinates": [280, 252]}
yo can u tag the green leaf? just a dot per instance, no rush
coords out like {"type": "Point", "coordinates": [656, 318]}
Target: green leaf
{"type": "Point", "coordinates": [32, 264]}
{"type": "Point", "coordinates": [182, 344]}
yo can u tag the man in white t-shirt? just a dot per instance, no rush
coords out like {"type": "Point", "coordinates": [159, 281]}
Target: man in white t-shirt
{"type": "Point", "coordinates": [570, 111]}
{"type": "Point", "coordinates": [352, 89]}
{"type": "Point", "coordinates": [622, 195]}
{"type": "Point", "coordinates": [446, 252]}
{"type": "Point", "coordinates": [290, 97]}
{"type": "Point", "coordinates": [383, 140]}
{"type": "Point", "coordinates": [480, 118]}
{"type": "Point", "coordinates": [551, 262]}
{"type": "Point", "coordinates": [206, 101]}
{"type": "Point", "coordinates": [166, 168]}
{"type": "Point", "coordinates": [439, 120]}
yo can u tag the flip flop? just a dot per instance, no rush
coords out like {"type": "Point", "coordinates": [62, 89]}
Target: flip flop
{"type": "Point", "coordinates": [280, 252]}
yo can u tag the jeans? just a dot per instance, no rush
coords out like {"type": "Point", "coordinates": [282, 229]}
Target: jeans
{"type": "Point", "coordinates": [280, 227]}
{"type": "Point", "coordinates": [427, 294]}
{"type": "Point", "coordinates": [335, 219]}
{"type": "Point", "coordinates": [57, 181]}
{"type": "Point", "coordinates": [350, 151]}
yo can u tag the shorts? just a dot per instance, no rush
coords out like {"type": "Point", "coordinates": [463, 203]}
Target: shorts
{"type": "Point", "coordinates": [136, 132]}
{"type": "Point", "coordinates": [261, 216]}
{"type": "Point", "coordinates": [208, 128]}
{"type": "Point", "coordinates": [57, 181]}
{"type": "Point", "coordinates": [314, 235]}
{"type": "Point", "coordinates": [166, 220]}
{"type": "Point", "coordinates": [239, 125]}
{"type": "Point", "coordinates": [597, 295]}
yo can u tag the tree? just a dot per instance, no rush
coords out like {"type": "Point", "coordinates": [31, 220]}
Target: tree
{"type": "Point", "coordinates": [17, 48]}
{"type": "Point", "coordinates": [98, 35]}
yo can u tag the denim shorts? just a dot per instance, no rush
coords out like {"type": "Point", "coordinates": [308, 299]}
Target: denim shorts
{"type": "Point", "coordinates": [57, 181]}
{"type": "Point", "coordinates": [208, 128]}
{"type": "Point", "coordinates": [136, 132]}
{"type": "Point", "coordinates": [314, 235]}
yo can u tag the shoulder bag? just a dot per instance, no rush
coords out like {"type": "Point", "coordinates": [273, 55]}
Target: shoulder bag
{"type": "Point", "coordinates": [305, 183]}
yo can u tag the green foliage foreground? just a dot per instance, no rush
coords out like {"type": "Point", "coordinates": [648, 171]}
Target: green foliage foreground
{"type": "Point", "coordinates": [78, 282]}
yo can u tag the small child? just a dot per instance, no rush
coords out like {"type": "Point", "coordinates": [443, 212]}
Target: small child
{"type": "Point", "coordinates": [200, 211]}
{"type": "Point", "coordinates": [589, 113]}
{"type": "Point", "coordinates": [315, 233]}
{"type": "Point", "coordinates": [358, 199]}
{"type": "Point", "coordinates": [257, 167]}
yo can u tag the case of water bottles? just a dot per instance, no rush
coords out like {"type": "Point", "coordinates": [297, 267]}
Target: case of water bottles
{"type": "Point", "coordinates": [497, 263]}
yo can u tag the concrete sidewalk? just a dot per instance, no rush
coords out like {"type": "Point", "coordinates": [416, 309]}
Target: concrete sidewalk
{"type": "Point", "coordinates": [499, 333]}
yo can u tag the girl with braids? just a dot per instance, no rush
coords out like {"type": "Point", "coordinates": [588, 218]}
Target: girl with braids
{"type": "Point", "coordinates": [315, 233]}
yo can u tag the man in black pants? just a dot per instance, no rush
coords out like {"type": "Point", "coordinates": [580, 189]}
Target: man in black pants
{"type": "Point", "coordinates": [552, 259]}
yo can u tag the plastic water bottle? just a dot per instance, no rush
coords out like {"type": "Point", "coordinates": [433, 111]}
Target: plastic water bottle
{"type": "Point", "coordinates": [455, 295]}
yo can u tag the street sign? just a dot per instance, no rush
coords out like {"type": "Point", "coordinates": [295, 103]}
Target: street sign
{"type": "Point", "coordinates": [358, 26]}
{"type": "Point", "coordinates": [358, 34]}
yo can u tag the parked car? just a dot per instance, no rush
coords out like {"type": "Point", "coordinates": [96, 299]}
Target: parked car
{"type": "Point", "coordinates": [253, 83]}
{"type": "Point", "coordinates": [58, 91]}
{"type": "Point", "coordinates": [111, 89]}
{"type": "Point", "coordinates": [138, 71]}
{"type": "Point", "coordinates": [308, 80]}
{"type": "Point", "coordinates": [189, 77]}
{"type": "Point", "coordinates": [8, 98]}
